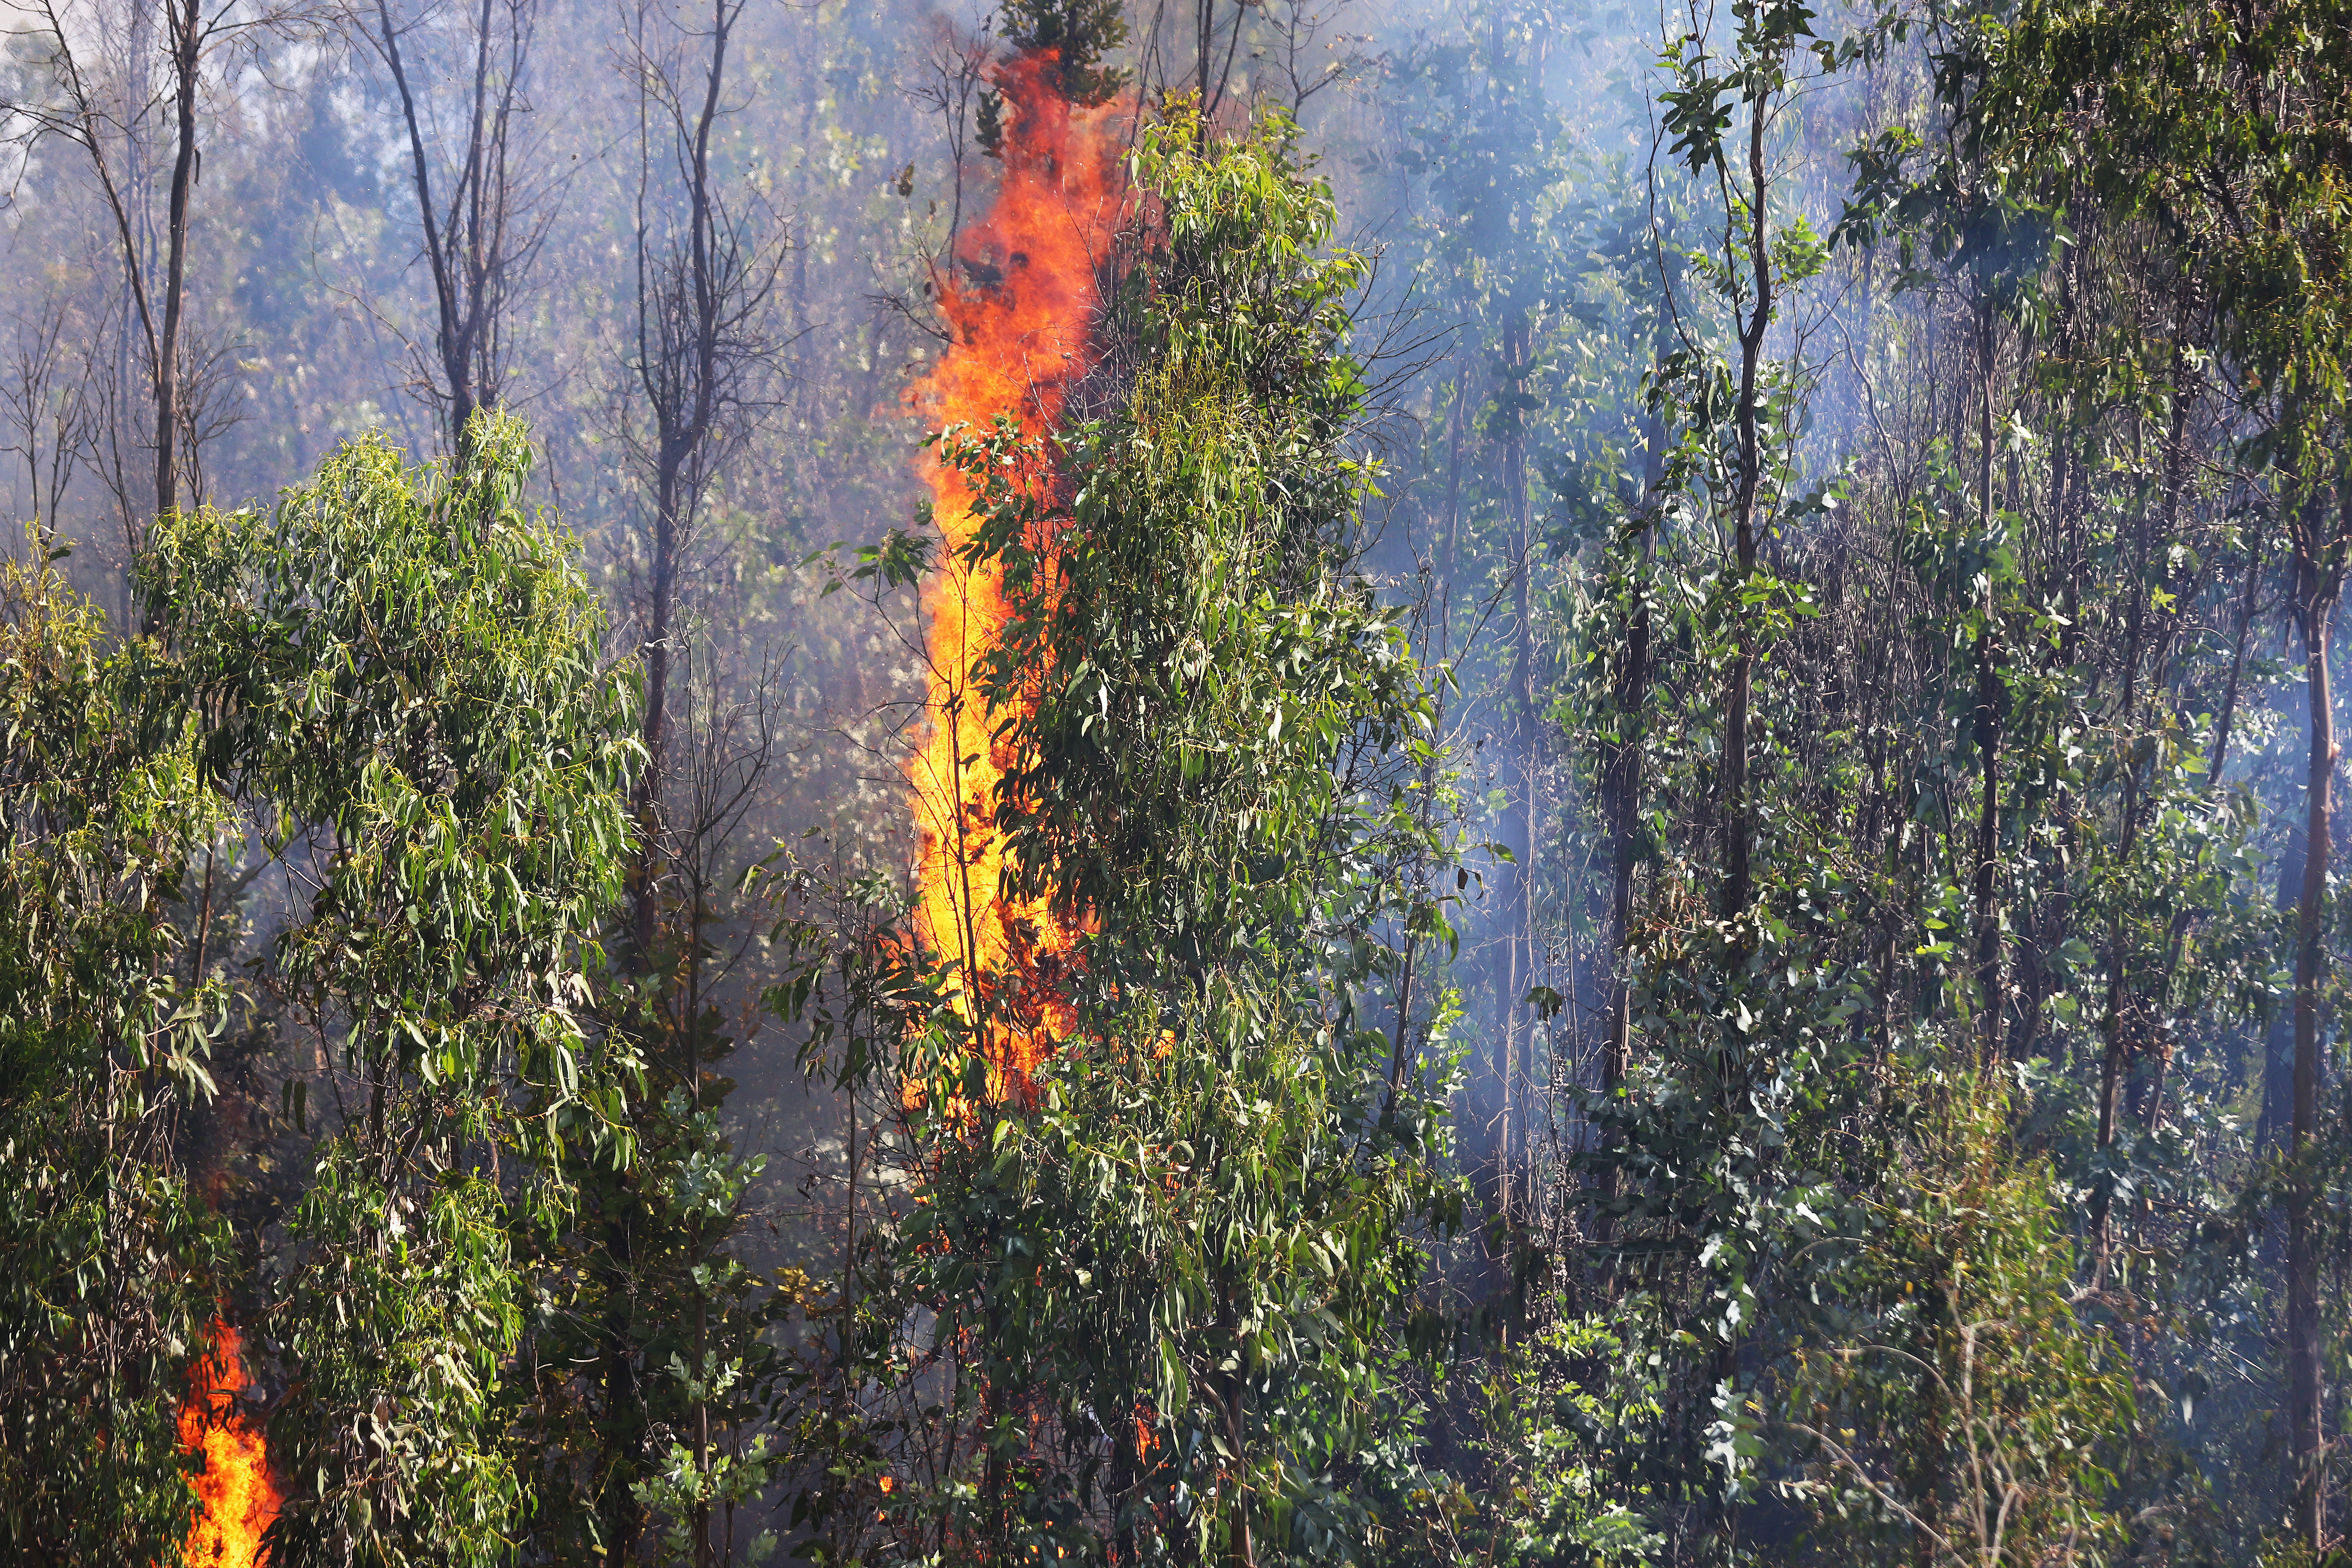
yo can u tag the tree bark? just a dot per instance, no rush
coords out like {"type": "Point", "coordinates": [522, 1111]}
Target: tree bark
{"type": "Point", "coordinates": [1621, 790]}
{"type": "Point", "coordinates": [187, 45]}
{"type": "Point", "coordinates": [1519, 915]}
{"type": "Point", "coordinates": [622, 1427]}
{"type": "Point", "coordinates": [469, 253]}
{"type": "Point", "coordinates": [2314, 610]}
{"type": "Point", "coordinates": [1988, 729]}
{"type": "Point", "coordinates": [680, 371]}
{"type": "Point", "coordinates": [1737, 823]}
{"type": "Point", "coordinates": [644, 889]}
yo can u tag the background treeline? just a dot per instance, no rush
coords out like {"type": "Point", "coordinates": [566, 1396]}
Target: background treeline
{"type": "Point", "coordinates": [1680, 665]}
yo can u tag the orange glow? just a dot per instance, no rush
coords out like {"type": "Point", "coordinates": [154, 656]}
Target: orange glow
{"type": "Point", "coordinates": [1020, 304]}
{"type": "Point", "coordinates": [237, 1498]}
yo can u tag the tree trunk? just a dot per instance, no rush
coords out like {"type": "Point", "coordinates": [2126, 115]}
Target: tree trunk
{"type": "Point", "coordinates": [187, 42]}
{"type": "Point", "coordinates": [2303, 1388]}
{"type": "Point", "coordinates": [682, 390]}
{"type": "Point", "coordinates": [468, 255]}
{"type": "Point", "coordinates": [1519, 915]}
{"type": "Point", "coordinates": [623, 1427]}
{"type": "Point", "coordinates": [1738, 829]}
{"type": "Point", "coordinates": [1988, 728]}
{"type": "Point", "coordinates": [1987, 905]}
{"type": "Point", "coordinates": [645, 890]}
{"type": "Point", "coordinates": [1621, 789]}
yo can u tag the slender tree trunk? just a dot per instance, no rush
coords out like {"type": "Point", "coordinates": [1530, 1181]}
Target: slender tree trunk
{"type": "Point", "coordinates": [701, 1428]}
{"type": "Point", "coordinates": [1243, 1551]}
{"type": "Point", "coordinates": [1621, 786]}
{"type": "Point", "coordinates": [2152, 1117]}
{"type": "Point", "coordinates": [2304, 1383]}
{"type": "Point", "coordinates": [2111, 1069]}
{"type": "Point", "coordinates": [1205, 21]}
{"type": "Point", "coordinates": [1738, 820]}
{"type": "Point", "coordinates": [1988, 728]}
{"type": "Point", "coordinates": [187, 42]}
{"type": "Point", "coordinates": [2277, 1117]}
{"type": "Point", "coordinates": [462, 327]}
{"type": "Point", "coordinates": [682, 388]}
{"type": "Point", "coordinates": [1738, 823]}
{"type": "Point", "coordinates": [1988, 904]}
{"type": "Point", "coordinates": [468, 255]}
{"type": "Point", "coordinates": [645, 889]}
{"type": "Point", "coordinates": [1519, 916]}
{"type": "Point", "coordinates": [2111, 1066]}
{"type": "Point", "coordinates": [623, 1427]}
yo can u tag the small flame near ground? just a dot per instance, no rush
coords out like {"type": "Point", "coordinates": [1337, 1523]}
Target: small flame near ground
{"type": "Point", "coordinates": [1019, 340]}
{"type": "Point", "coordinates": [238, 1500]}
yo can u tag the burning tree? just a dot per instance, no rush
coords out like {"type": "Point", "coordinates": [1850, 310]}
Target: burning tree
{"type": "Point", "coordinates": [1155, 1062]}
{"type": "Point", "coordinates": [385, 692]}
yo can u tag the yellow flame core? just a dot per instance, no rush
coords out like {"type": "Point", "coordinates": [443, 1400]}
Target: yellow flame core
{"type": "Point", "coordinates": [237, 1497]}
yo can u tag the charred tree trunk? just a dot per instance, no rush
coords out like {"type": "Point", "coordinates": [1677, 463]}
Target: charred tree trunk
{"type": "Point", "coordinates": [705, 279]}
{"type": "Point", "coordinates": [697, 309]}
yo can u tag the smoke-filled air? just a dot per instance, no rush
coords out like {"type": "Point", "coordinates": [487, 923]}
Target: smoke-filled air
{"type": "Point", "coordinates": [1244, 783]}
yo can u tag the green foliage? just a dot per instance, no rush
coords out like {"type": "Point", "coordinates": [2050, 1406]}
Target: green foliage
{"type": "Point", "coordinates": [1560, 1417]}
{"type": "Point", "coordinates": [407, 660]}
{"type": "Point", "coordinates": [1200, 1239]}
{"type": "Point", "coordinates": [410, 1302]}
{"type": "Point", "coordinates": [1080, 34]}
{"type": "Point", "coordinates": [112, 1261]}
{"type": "Point", "coordinates": [1212, 697]}
{"type": "Point", "coordinates": [1169, 1280]}
{"type": "Point", "coordinates": [1955, 1402]}
{"type": "Point", "coordinates": [390, 683]}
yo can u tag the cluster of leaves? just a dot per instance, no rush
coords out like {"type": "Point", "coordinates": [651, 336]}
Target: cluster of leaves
{"type": "Point", "coordinates": [112, 1260]}
{"type": "Point", "coordinates": [388, 687]}
{"type": "Point", "coordinates": [1954, 1398]}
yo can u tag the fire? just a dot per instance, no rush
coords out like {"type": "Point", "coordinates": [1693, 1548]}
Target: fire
{"type": "Point", "coordinates": [239, 1500]}
{"type": "Point", "coordinates": [1020, 311]}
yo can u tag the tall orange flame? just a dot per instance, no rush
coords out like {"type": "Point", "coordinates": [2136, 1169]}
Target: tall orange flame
{"type": "Point", "coordinates": [1019, 307]}
{"type": "Point", "coordinates": [237, 1496]}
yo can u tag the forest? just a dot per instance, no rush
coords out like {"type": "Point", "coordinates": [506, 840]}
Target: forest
{"type": "Point", "coordinates": [1253, 783]}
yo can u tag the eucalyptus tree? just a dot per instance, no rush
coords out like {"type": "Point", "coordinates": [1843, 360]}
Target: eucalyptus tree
{"type": "Point", "coordinates": [2206, 128]}
{"type": "Point", "coordinates": [1175, 1264]}
{"type": "Point", "coordinates": [386, 689]}
{"type": "Point", "coordinates": [428, 732]}
{"type": "Point", "coordinates": [699, 370]}
{"type": "Point", "coordinates": [702, 353]}
{"type": "Point", "coordinates": [114, 1256]}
